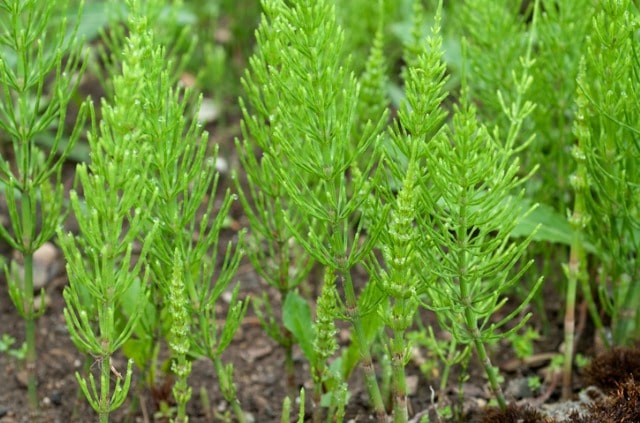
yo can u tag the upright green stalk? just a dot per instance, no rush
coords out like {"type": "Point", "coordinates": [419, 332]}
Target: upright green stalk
{"type": "Point", "coordinates": [325, 346]}
{"type": "Point", "coordinates": [607, 154]}
{"type": "Point", "coordinates": [575, 269]}
{"type": "Point", "coordinates": [32, 49]}
{"type": "Point", "coordinates": [471, 209]}
{"type": "Point", "coordinates": [279, 260]}
{"type": "Point", "coordinates": [112, 217]}
{"type": "Point", "coordinates": [401, 284]}
{"type": "Point", "coordinates": [353, 316]}
{"type": "Point", "coordinates": [419, 118]}
{"type": "Point", "coordinates": [179, 339]}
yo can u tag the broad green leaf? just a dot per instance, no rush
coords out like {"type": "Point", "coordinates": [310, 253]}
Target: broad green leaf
{"type": "Point", "coordinates": [553, 227]}
{"type": "Point", "coordinates": [138, 350]}
{"type": "Point", "coordinates": [296, 316]}
{"type": "Point", "coordinates": [94, 18]}
{"type": "Point", "coordinates": [131, 303]}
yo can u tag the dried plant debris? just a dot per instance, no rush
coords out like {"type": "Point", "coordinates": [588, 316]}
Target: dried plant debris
{"type": "Point", "coordinates": [622, 406]}
{"type": "Point", "coordinates": [514, 413]}
{"type": "Point", "coordinates": [612, 368]}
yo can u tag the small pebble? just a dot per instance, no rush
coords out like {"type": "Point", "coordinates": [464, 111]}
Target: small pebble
{"type": "Point", "coordinates": [222, 407]}
{"type": "Point", "coordinates": [209, 111]}
{"type": "Point", "coordinates": [45, 265]}
{"type": "Point", "coordinates": [21, 378]}
{"type": "Point", "coordinates": [221, 165]}
{"type": "Point", "coordinates": [56, 398]}
{"type": "Point", "coordinates": [412, 384]}
{"type": "Point", "coordinates": [518, 388]}
{"type": "Point", "coordinates": [7, 419]}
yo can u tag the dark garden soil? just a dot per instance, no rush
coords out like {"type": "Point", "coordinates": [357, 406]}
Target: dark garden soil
{"type": "Point", "coordinates": [258, 361]}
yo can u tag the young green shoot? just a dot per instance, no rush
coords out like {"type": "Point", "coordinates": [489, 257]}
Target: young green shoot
{"type": "Point", "coordinates": [419, 118]}
{"type": "Point", "coordinates": [100, 259]}
{"type": "Point", "coordinates": [472, 207]}
{"type": "Point", "coordinates": [275, 255]}
{"type": "Point", "coordinates": [32, 48]}
{"type": "Point", "coordinates": [187, 277]}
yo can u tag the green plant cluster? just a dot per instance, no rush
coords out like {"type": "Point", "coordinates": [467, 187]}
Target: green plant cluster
{"type": "Point", "coordinates": [394, 163]}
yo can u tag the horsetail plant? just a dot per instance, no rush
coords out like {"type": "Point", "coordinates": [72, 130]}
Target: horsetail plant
{"type": "Point", "coordinates": [163, 115]}
{"type": "Point", "coordinates": [186, 282]}
{"type": "Point", "coordinates": [143, 347]}
{"type": "Point", "coordinates": [277, 258]}
{"type": "Point", "coordinates": [325, 346]}
{"type": "Point", "coordinates": [420, 117]}
{"type": "Point", "coordinates": [32, 48]}
{"type": "Point", "coordinates": [608, 79]}
{"type": "Point", "coordinates": [430, 207]}
{"type": "Point", "coordinates": [606, 210]}
{"type": "Point", "coordinates": [179, 338]}
{"type": "Point", "coordinates": [472, 210]}
{"type": "Point", "coordinates": [100, 262]}
{"type": "Point", "coordinates": [472, 220]}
